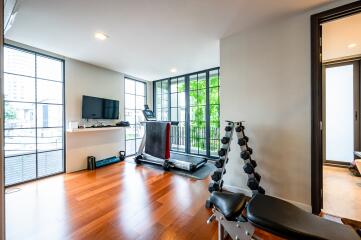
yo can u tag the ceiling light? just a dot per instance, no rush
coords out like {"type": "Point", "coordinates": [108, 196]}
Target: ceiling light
{"type": "Point", "coordinates": [100, 36]}
{"type": "Point", "coordinates": [173, 70]}
{"type": "Point", "coordinates": [352, 45]}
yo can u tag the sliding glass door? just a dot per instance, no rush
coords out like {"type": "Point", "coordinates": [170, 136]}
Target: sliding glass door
{"type": "Point", "coordinates": [33, 115]}
{"type": "Point", "coordinates": [135, 98]}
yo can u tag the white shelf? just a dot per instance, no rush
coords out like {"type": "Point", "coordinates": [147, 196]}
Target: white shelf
{"type": "Point", "coordinates": [93, 129]}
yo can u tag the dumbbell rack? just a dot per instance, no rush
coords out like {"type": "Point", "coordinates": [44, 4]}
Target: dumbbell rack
{"type": "Point", "coordinates": [249, 164]}
{"type": "Point", "coordinates": [217, 175]}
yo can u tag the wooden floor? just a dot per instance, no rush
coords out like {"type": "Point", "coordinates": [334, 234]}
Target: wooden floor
{"type": "Point", "coordinates": [121, 201]}
{"type": "Point", "coordinates": [341, 193]}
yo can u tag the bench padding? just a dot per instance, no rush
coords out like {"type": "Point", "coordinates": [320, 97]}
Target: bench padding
{"type": "Point", "coordinates": [286, 220]}
{"type": "Point", "coordinates": [230, 205]}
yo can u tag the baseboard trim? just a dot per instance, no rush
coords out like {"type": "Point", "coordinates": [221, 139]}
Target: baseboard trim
{"type": "Point", "coordinates": [248, 192]}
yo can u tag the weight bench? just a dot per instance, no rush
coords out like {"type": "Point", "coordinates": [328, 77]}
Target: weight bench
{"type": "Point", "coordinates": [238, 218]}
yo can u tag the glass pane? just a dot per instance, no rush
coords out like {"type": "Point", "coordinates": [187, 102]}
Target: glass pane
{"type": "Point", "coordinates": [139, 116]}
{"type": "Point", "coordinates": [173, 85]}
{"type": "Point", "coordinates": [165, 87]}
{"type": "Point", "coordinates": [340, 112]}
{"type": "Point", "coordinates": [50, 163]}
{"type": "Point", "coordinates": [19, 141]}
{"type": "Point", "coordinates": [181, 114]}
{"type": "Point", "coordinates": [164, 101]}
{"type": "Point", "coordinates": [49, 68]}
{"type": "Point", "coordinates": [129, 101]}
{"type": "Point", "coordinates": [19, 88]}
{"type": "Point", "coordinates": [140, 101]}
{"type": "Point", "coordinates": [173, 100]}
{"type": "Point", "coordinates": [130, 132]}
{"type": "Point", "coordinates": [193, 82]}
{"type": "Point", "coordinates": [140, 88]}
{"type": "Point", "coordinates": [50, 115]}
{"type": "Point", "coordinates": [19, 115]}
{"type": "Point", "coordinates": [182, 99]}
{"type": "Point", "coordinates": [181, 84]}
{"type": "Point", "coordinates": [158, 87]}
{"type": "Point", "coordinates": [130, 116]}
{"type": "Point", "coordinates": [174, 114]}
{"type": "Point", "coordinates": [139, 133]}
{"type": "Point", "coordinates": [19, 62]}
{"type": "Point", "coordinates": [214, 113]}
{"type": "Point", "coordinates": [20, 169]}
{"type": "Point", "coordinates": [213, 78]}
{"type": "Point", "coordinates": [158, 101]}
{"type": "Point", "coordinates": [130, 147]}
{"type": "Point", "coordinates": [129, 86]}
{"type": "Point", "coordinates": [214, 147]}
{"type": "Point", "coordinates": [49, 92]}
{"type": "Point", "coordinates": [50, 139]}
{"type": "Point", "coordinates": [202, 81]}
{"type": "Point", "coordinates": [202, 146]}
{"type": "Point", "coordinates": [192, 98]}
{"type": "Point", "coordinates": [159, 113]}
{"type": "Point", "coordinates": [201, 97]}
{"type": "Point", "coordinates": [165, 114]}
{"type": "Point", "coordinates": [138, 142]}
{"type": "Point", "coordinates": [213, 96]}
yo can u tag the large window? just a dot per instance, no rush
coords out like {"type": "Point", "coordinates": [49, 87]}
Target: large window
{"type": "Point", "coordinates": [135, 99]}
{"type": "Point", "coordinates": [193, 100]}
{"type": "Point", "coordinates": [33, 115]}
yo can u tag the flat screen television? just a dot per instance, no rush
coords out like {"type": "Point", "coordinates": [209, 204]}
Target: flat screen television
{"type": "Point", "coordinates": [99, 108]}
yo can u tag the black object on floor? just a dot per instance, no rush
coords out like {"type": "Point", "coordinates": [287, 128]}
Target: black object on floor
{"type": "Point", "coordinates": [199, 174]}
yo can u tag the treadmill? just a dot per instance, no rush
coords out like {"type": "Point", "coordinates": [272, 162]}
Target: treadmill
{"type": "Point", "coordinates": [155, 146]}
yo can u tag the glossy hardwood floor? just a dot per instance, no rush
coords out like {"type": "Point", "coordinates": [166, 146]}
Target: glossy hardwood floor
{"type": "Point", "coordinates": [121, 201]}
{"type": "Point", "coordinates": [341, 193]}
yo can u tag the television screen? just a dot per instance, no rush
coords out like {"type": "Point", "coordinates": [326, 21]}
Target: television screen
{"type": "Point", "coordinates": [99, 108]}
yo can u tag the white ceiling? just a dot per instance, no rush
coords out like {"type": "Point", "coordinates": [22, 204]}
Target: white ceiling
{"type": "Point", "coordinates": [147, 37]}
{"type": "Point", "coordinates": [338, 35]}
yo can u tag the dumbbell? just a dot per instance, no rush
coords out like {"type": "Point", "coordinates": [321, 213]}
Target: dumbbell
{"type": "Point", "coordinates": [257, 176]}
{"type": "Point", "coordinates": [225, 140]}
{"type": "Point", "coordinates": [254, 163]}
{"type": "Point", "coordinates": [215, 186]}
{"type": "Point", "coordinates": [228, 128]}
{"type": "Point", "coordinates": [261, 190]}
{"type": "Point", "coordinates": [248, 168]}
{"type": "Point", "coordinates": [217, 175]}
{"type": "Point", "coordinates": [245, 155]}
{"type": "Point", "coordinates": [222, 152]}
{"type": "Point", "coordinates": [250, 150]}
{"type": "Point", "coordinates": [239, 128]}
{"type": "Point", "coordinates": [243, 141]}
{"type": "Point", "coordinates": [219, 163]}
{"type": "Point", "coordinates": [252, 183]}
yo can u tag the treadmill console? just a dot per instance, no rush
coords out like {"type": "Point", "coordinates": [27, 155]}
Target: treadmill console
{"type": "Point", "coordinates": [149, 114]}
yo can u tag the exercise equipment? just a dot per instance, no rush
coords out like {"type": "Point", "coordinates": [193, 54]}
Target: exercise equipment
{"type": "Point", "coordinates": [238, 215]}
{"type": "Point", "coordinates": [155, 146]}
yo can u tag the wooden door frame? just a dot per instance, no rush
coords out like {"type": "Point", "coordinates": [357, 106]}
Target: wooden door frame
{"type": "Point", "coordinates": [316, 96]}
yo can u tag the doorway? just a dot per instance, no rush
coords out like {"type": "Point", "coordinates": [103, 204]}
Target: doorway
{"type": "Point", "coordinates": [343, 123]}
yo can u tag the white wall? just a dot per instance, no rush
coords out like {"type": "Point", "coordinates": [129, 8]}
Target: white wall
{"type": "Point", "coordinates": [265, 80]}
{"type": "Point", "coordinates": [85, 79]}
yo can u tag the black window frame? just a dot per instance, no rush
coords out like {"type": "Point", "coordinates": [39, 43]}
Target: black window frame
{"type": "Point", "coordinates": [36, 103]}
{"type": "Point", "coordinates": [187, 106]}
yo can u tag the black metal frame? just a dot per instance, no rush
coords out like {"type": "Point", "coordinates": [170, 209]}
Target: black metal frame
{"type": "Point", "coordinates": [135, 125]}
{"type": "Point", "coordinates": [187, 107]}
{"type": "Point", "coordinates": [316, 96]}
{"type": "Point", "coordinates": [36, 123]}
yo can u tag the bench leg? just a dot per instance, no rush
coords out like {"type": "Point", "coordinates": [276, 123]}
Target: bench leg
{"type": "Point", "coordinates": [220, 231]}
